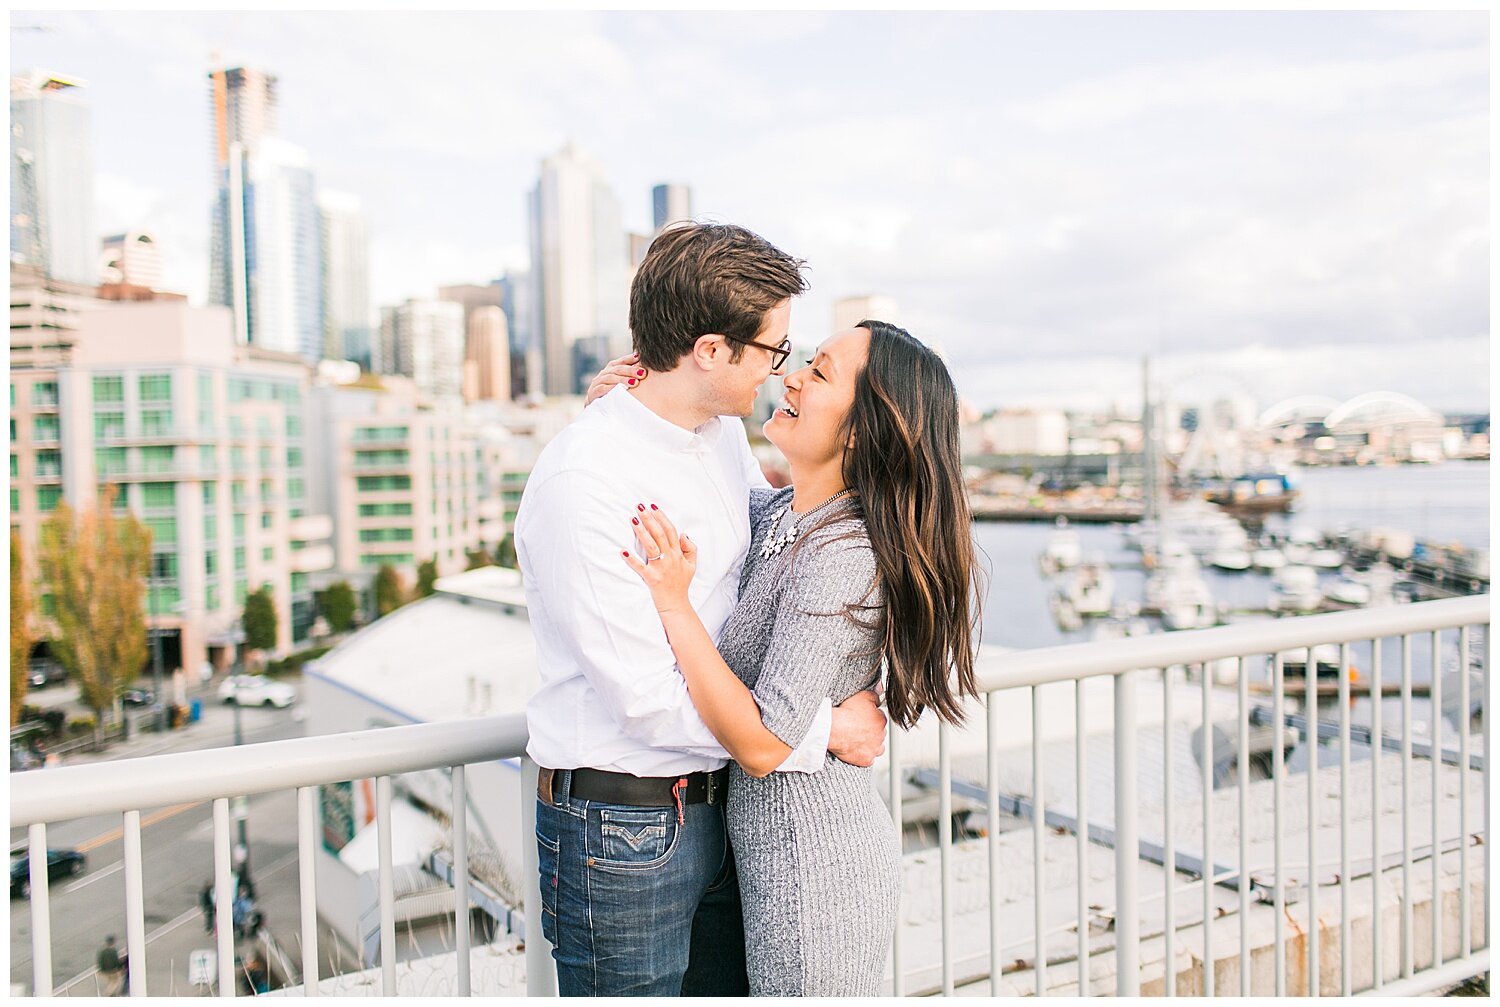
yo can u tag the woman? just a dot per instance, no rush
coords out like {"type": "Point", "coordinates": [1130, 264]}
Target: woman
{"type": "Point", "coordinates": [864, 562]}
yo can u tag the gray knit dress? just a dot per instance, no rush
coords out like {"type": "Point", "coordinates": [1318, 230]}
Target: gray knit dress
{"type": "Point", "coordinates": [817, 854]}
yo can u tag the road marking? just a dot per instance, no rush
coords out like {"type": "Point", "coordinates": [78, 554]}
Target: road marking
{"type": "Point", "coordinates": [275, 867]}
{"type": "Point", "coordinates": [151, 819]}
{"type": "Point", "coordinates": [118, 865]}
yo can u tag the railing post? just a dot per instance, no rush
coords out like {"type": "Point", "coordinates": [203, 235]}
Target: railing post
{"type": "Point", "coordinates": [541, 974]}
{"type": "Point", "coordinates": [1127, 843]}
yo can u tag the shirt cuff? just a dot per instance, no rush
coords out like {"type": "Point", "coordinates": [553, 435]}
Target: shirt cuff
{"type": "Point", "coordinates": [809, 756]}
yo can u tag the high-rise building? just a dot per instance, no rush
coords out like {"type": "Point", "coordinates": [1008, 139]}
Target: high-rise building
{"type": "Point", "coordinates": [348, 328]}
{"type": "Point", "coordinates": [579, 268]}
{"type": "Point", "coordinates": [670, 204]}
{"type": "Point", "coordinates": [52, 178]}
{"type": "Point", "coordinates": [267, 235]}
{"type": "Point", "coordinates": [850, 311]}
{"type": "Point", "coordinates": [519, 306]}
{"type": "Point", "coordinates": [487, 356]}
{"type": "Point", "coordinates": [424, 340]}
{"type": "Point", "coordinates": [132, 259]}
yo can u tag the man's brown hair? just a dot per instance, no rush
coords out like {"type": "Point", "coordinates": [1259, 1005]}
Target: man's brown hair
{"type": "Point", "coordinates": [703, 278]}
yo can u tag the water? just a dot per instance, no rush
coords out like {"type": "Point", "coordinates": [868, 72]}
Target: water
{"type": "Point", "coordinates": [1442, 504]}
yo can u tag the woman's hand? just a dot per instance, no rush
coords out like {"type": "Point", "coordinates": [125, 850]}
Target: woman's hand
{"type": "Point", "coordinates": [624, 370]}
{"type": "Point", "coordinates": [671, 560]}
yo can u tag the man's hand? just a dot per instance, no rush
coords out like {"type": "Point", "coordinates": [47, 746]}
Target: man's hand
{"type": "Point", "coordinates": [858, 732]}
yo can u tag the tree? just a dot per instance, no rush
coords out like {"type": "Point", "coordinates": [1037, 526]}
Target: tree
{"type": "Point", "coordinates": [338, 605]}
{"type": "Point", "coordinates": [96, 563]}
{"type": "Point", "coordinates": [259, 619]}
{"type": "Point", "coordinates": [505, 552]}
{"type": "Point", "coordinates": [389, 594]}
{"type": "Point", "coordinates": [426, 576]}
{"type": "Point", "coordinates": [478, 558]}
{"type": "Point", "coordinates": [20, 629]}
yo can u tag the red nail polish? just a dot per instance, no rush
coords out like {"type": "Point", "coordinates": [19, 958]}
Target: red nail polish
{"type": "Point", "coordinates": [632, 381]}
{"type": "Point", "coordinates": [640, 374]}
{"type": "Point", "coordinates": [653, 506]}
{"type": "Point", "coordinates": [635, 520]}
{"type": "Point", "coordinates": [639, 507]}
{"type": "Point", "coordinates": [625, 554]}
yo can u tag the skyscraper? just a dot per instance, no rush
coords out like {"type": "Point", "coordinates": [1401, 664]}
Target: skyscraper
{"type": "Point", "coordinates": [52, 178]}
{"type": "Point", "coordinates": [347, 316]}
{"type": "Point", "coordinates": [579, 269]}
{"type": "Point", "coordinates": [425, 342]}
{"type": "Point", "coordinates": [671, 203]}
{"type": "Point", "coordinates": [266, 254]}
{"type": "Point", "coordinates": [487, 356]}
{"type": "Point", "coordinates": [132, 259]}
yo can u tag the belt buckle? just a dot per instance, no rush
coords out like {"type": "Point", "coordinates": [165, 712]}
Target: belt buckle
{"type": "Point", "coordinates": [709, 782]}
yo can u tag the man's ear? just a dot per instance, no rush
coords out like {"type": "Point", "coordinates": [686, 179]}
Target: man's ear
{"type": "Point", "coordinates": [710, 351]}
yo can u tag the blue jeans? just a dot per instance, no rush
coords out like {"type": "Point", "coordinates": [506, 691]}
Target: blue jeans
{"type": "Point", "coordinates": [636, 904]}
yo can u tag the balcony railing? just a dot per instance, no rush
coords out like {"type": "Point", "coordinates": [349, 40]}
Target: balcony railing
{"type": "Point", "coordinates": [1402, 962]}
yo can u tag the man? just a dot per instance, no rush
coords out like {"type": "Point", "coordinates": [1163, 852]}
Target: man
{"type": "Point", "coordinates": [111, 967]}
{"type": "Point", "coordinates": [638, 889]}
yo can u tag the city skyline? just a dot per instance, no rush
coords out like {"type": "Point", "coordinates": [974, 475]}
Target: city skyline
{"type": "Point", "coordinates": [1293, 203]}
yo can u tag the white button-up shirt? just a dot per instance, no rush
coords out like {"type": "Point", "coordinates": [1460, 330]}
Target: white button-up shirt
{"type": "Point", "coordinates": [610, 694]}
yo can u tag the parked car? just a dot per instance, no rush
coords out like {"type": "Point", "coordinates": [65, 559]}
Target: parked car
{"type": "Point", "coordinates": [42, 672]}
{"type": "Point", "coordinates": [257, 690]}
{"type": "Point", "coordinates": [60, 864]}
{"type": "Point", "coordinates": [137, 697]}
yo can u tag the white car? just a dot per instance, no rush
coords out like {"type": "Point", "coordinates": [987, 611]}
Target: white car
{"type": "Point", "coordinates": [257, 690]}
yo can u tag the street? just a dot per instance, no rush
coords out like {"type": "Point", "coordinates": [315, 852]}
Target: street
{"type": "Point", "coordinates": [177, 860]}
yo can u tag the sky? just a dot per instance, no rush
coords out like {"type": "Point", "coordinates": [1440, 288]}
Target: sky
{"type": "Point", "coordinates": [1272, 204]}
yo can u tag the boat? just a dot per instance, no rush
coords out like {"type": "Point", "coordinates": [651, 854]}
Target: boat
{"type": "Point", "coordinates": [1090, 590]}
{"type": "Point", "coordinates": [1179, 594]}
{"type": "Point", "coordinates": [1199, 525]}
{"type": "Point", "coordinates": [1295, 589]}
{"type": "Point", "coordinates": [1325, 655]}
{"type": "Point", "coordinates": [1233, 560]}
{"type": "Point", "coordinates": [1120, 627]}
{"type": "Point", "coordinates": [1348, 591]}
{"type": "Point", "coordinates": [1268, 559]}
{"type": "Point", "coordinates": [1257, 495]}
{"type": "Point", "coordinates": [1063, 551]}
{"type": "Point", "coordinates": [1325, 559]}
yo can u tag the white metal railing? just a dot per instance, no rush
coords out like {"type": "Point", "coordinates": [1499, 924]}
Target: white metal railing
{"type": "Point", "coordinates": [217, 775]}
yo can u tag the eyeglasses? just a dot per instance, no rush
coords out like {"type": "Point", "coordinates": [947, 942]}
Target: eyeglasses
{"type": "Point", "coordinates": [779, 352]}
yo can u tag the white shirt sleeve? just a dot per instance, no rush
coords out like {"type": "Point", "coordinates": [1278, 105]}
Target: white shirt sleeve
{"type": "Point", "coordinates": [605, 614]}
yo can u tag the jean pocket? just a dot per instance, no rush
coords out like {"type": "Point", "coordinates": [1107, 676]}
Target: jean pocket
{"type": "Point", "coordinates": [635, 838]}
{"type": "Point", "coordinates": [548, 855]}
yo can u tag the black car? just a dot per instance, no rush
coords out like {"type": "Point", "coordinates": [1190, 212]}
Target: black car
{"type": "Point", "coordinates": [137, 697]}
{"type": "Point", "coordinates": [60, 864]}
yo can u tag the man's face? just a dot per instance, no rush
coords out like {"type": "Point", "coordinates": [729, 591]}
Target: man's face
{"type": "Point", "coordinates": [739, 382]}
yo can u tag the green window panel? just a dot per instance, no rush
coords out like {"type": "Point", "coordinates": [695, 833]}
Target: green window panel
{"type": "Point", "coordinates": [385, 510]}
{"type": "Point", "coordinates": [15, 466]}
{"type": "Point", "coordinates": [239, 526]}
{"type": "Point", "coordinates": [268, 554]}
{"type": "Point", "coordinates": [156, 422]}
{"type": "Point", "coordinates": [208, 458]}
{"type": "Point", "coordinates": [266, 493]}
{"type": "Point", "coordinates": [48, 464]}
{"type": "Point", "coordinates": [159, 495]}
{"type": "Point", "coordinates": [210, 528]}
{"type": "Point", "coordinates": [293, 458]}
{"type": "Point", "coordinates": [299, 583]}
{"type": "Point", "coordinates": [165, 599]}
{"type": "Point", "coordinates": [164, 565]}
{"type": "Point", "coordinates": [211, 597]}
{"type": "Point", "coordinates": [263, 426]}
{"type": "Point", "coordinates": [43, 393]}
{"type": "Point", "coordinates": [163, 530]}
{"type": "Point", "coordinates": [237, 493]}
{"type": "Point", "coordinates": [45, 429]}
{"type": "Point", "coordinates": [157, 458]}
{"type": "Point", "coordinates": [381, 434]}
{"type": "Point", "coordinates": [295, 489]}
{"type": "Point", "coordinates": [293, 425]}
{"type": "Point", "coordinates": [264, 459]}
{"type": "Point", "coordinates": [15, 501]}
{"type": "Point", "coordinates": [49, 604]}
{"type": "Point", "coordinates": [156, 387]}
{"type": "Point", "coordinates": [210, 561]}
{"type": "Point", "coordinates": [109, 389]}
{"type": "Point", "coordinates": [376, 559]}
{"type": "Point", "coordinates": [108, 425]}
{"type": "Point", "coordinates": [239, 559]}
{"type": "Point", "coordinates": [265, 519]}
{"type": "Point", "coordinates": [109, 461]}
{"type": "Point", "coordinates": [210, 494]}
{"type": "Point", "coordinates": [241, 591]}
{"type": "Point", "coordinates": [371, 484]}
{"type": "Point", "coordinates": [381, 459]}
{"type": "Point", "coordinates": [385, 534]}
{"type": "Point", "coordinates": [47, 498]}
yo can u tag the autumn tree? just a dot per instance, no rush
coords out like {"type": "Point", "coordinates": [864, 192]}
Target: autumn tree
{"type": "Point", "coordinates": [505, 552]}
{"type": "Point", "coordinates": [20, 629]}
{"type": "Point", "coordinates": [427, 573]}
{"type": "Point", "coordinates": [96, 564]}
{"type": "Point", "coordinates": [338, 604]}
{"type": "Point", "coordinates": [389, 593]}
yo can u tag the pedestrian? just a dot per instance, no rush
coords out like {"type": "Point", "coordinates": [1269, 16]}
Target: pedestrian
{"type": "Point", "coordinates": [206, 903]}
{"type": "Point", "coordinates": [112, 967]}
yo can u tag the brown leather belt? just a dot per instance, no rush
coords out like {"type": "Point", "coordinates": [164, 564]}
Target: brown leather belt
{"type": "Point", "coordinates": [556, 785]}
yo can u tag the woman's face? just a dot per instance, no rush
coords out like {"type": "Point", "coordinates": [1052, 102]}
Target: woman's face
{"type": "Point", "coordinates": [808, 426]}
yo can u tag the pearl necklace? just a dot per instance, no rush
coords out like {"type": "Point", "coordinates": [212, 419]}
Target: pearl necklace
{"type": "Point", "coordinates": [774, 543]}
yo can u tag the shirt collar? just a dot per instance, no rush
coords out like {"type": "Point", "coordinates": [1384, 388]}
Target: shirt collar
{"type": "Point", "coordinates": [666, 433]}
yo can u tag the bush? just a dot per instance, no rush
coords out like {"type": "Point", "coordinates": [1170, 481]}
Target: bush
{"type": "Point", "coordinates": [292, 663]}
{"type": "Point", "coordinates": [81, 725]}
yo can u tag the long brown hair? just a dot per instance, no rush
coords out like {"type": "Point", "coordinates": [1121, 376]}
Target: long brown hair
{"type": "Point", "coordinates": [906, 468]}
